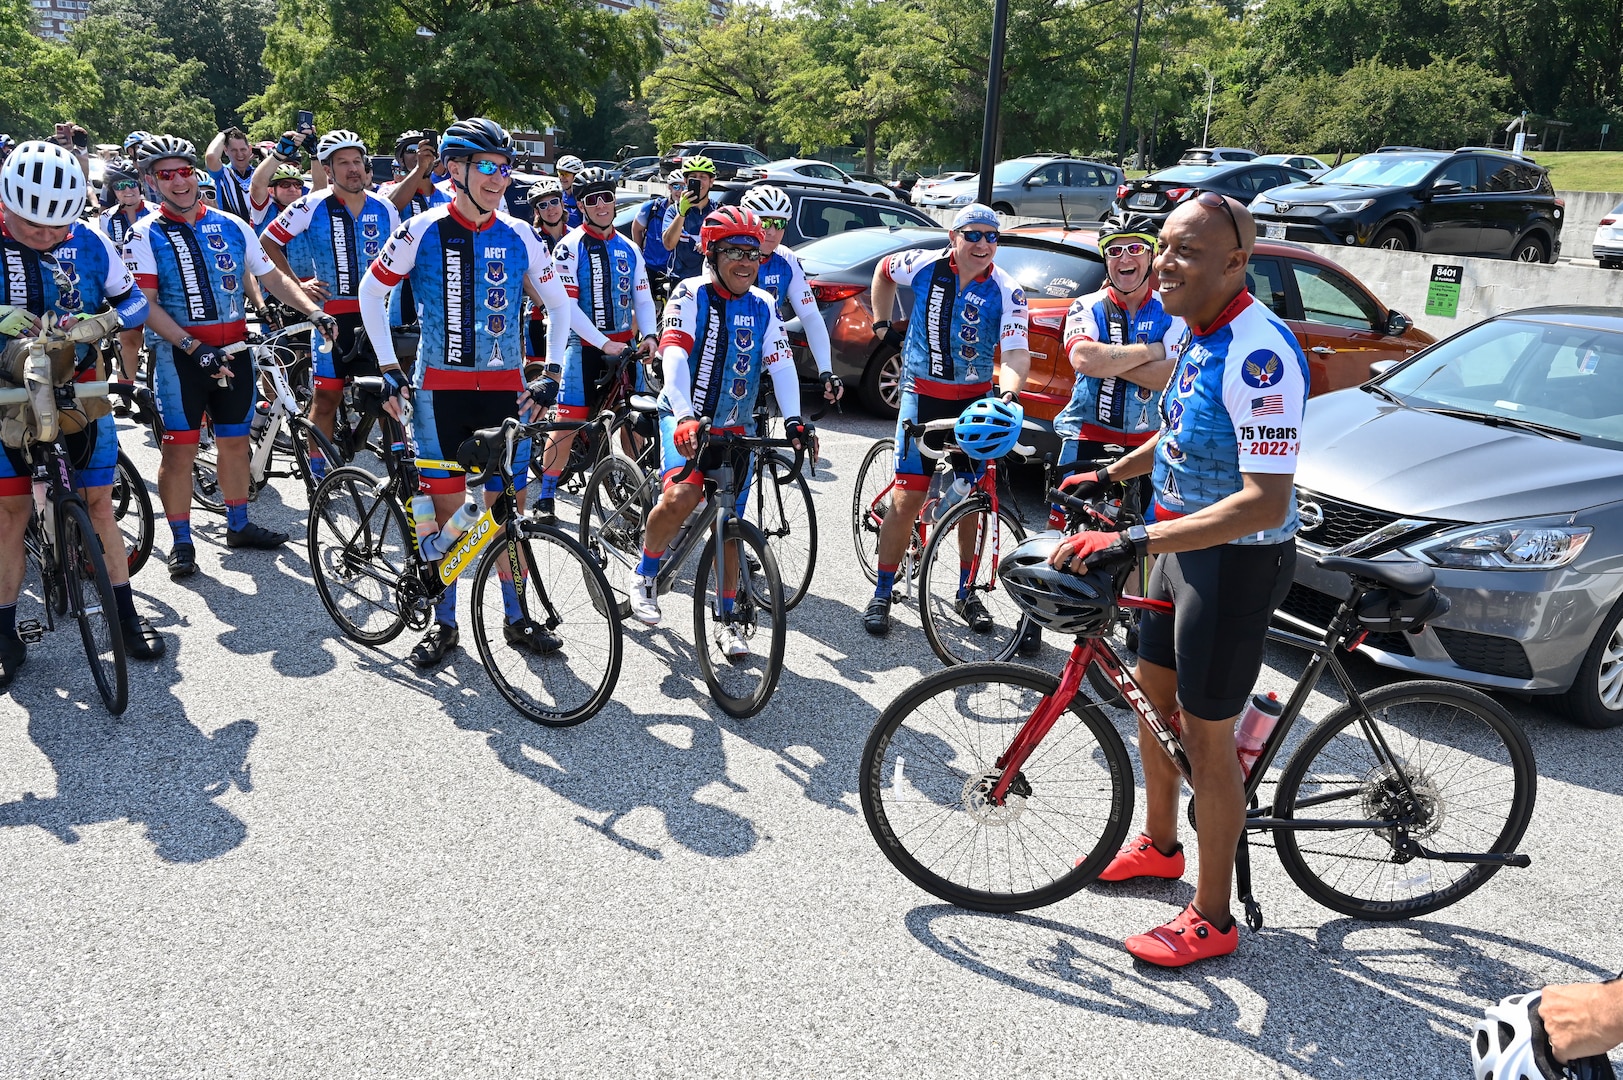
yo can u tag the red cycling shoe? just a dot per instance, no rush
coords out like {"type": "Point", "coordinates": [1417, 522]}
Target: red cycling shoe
{"type": "Point", "coordinates": [1184, 940]}
{"type": "Point", "coordinates": [1139, 857]}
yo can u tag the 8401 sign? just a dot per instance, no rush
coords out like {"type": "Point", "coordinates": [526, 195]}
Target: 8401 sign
{"type": "Point", "coordinates": [1443, 294]}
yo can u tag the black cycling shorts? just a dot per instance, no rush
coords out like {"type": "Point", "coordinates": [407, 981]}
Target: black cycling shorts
{"type": "Point", "coordinates": [185, 393]}
{"type": "Point", "coordinates": [537, 329]}
{"type": "Point", "coordinates": [1223, 598]}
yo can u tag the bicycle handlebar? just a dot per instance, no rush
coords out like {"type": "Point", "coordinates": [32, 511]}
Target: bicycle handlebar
{"type": "Point", "coordinates": [19, 395]}
{"type": "Point", "coordinates": [732, 439]}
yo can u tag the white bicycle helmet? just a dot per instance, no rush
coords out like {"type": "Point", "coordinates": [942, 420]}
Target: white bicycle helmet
{"type": "Point", "coordinates": [767, 201]}
{"type": "Point", "coordinates": [569, 163]}
{"type": "Point", "coordinates": [334, 141]}
{"type": "Point", "coordinates": [1509, 1043]}
{"type": "Point", "coordinates": [41, 182]}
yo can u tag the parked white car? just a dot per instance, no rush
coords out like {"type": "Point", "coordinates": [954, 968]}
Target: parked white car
{"type": "Point", "coordinates": [1608, 247]}
{"type": "Point", "coordinates": [804, 170]}
{"type": "Point", "coordinates": [1308, 164]}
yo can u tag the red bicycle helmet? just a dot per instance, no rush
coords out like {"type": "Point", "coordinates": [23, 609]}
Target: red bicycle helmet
{"type": "Point", "coordinates": [731, 223]}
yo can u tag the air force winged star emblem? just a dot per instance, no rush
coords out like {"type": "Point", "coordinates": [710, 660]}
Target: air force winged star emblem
{"type": "Point", "coordinates": [1262, 369]}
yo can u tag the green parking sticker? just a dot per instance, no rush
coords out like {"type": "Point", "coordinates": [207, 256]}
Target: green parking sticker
{"type": "Point", "coordinates": [1443, 294]}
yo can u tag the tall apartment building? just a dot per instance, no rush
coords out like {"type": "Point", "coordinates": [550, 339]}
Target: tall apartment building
{"type": "Point", "coordinates": [56, 17]}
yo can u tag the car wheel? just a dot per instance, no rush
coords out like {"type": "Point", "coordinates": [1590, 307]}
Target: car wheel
{"type": "Point", "coordinates": [882, 384]}
{"type": "Point", "coordinates": [1595, 699]}
{"type": "Point", "coordinates": [1003, 208]}
{"type": "Point", "coordinates": [1531, 250]}
{"type": "Point", "coordinates": [1392, 238]}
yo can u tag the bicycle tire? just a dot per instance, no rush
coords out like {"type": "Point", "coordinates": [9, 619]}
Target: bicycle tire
{"type": "Point", "coordinates": [980, 708]}
{"type": "Point", "coordinates": [740, 687]}
{"type": "Point", "coordinates": [205, 475]}
{"type": "Point", "coordinates": [301, 431]}
{"type": "Point", "coordinates": [952, 640]}
{"type": "Point", "coordinates": [782, 510]}
{"type": "Point", "coordinates": [612, 511]}
{"type": "Point", "coordinates": [83, 567]}
{"type": "Point", "coordinates": [132, 509]}
{"type": "Point", "coordinates": [568, 595]}
{"type": "Point", "coordinates": [359, 548]}
{"type": "Point", "coordinates": [876, 473]}
{"type": "Point", "coordinates": [1496, 734]}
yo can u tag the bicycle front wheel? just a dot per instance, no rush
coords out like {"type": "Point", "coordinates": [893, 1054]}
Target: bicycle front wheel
{"type": "Point", "coordinates": [565, 673]}
{"type": "Point", "coordinates": [871, 502]}
{"type": "Point", "coordinates": [132, 508]}
{"type": "Point", "coordinates": [205, 477]}
{"type": "Point", "coordinates": [360, 549]}
{"type": "Point", "coordinates": [781, 507]}
{"type": "Point", "coordinates": [967, 614]}
{"type": "Point", "coordinates": [932, 760]}
{"type": "Point", "coordinates": [738, 621]}
{"type": "Point", "coordinates": [1473, 782]}
{"type": "Point", "coordinates": [302, 432]}
{"type": "Point", "coordinates": [91, 602]}
{"type": "Point", "coordinates": [617, 499]}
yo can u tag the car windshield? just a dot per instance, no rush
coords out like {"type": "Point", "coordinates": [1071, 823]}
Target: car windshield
{"type": "Point", "coordinates": [1523, 373]}
{"type": "Point", "coordinates": [1009, 172]}
{"type": "Point", "coordinates": [1056, 273]}
{"type": "Point", "coordinates": [842, 251]}
{"type": "Point", "coordinates": [1381, 170]}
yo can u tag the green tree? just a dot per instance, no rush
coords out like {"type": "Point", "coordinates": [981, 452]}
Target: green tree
{"type": "Point", "coordinates": [380, 65]}
{"type": "Point", "coordinates": [226, 36]}
{"type": "Point", "coordinates": [41, 83]}
{"type": "Point", "coordinates": [139, 84]}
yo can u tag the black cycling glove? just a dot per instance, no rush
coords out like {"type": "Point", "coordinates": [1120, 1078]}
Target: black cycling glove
{"type": "Point", "coordinates": [543, 391]}
{"type": "Point", "coordinates": [796, 430]}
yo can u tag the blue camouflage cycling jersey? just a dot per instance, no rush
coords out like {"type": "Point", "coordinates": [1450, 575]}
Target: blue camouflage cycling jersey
{"type": "Point", "coordinates": [651, 215]}
{"type": "Point", "coordinates": [685, 260]}
{"type": "Point", "coordinates": [604, 275]}
{"type": "Point", "coordinates": [198, 270]}
{"type": "Point", "coordinates": [342, 245]}
{"type": "Point", "coordinates": [1234, 406]}
{"type": "Point", "coordinates": [952, 333]}
{"type": "Point", "coordinates": [729, 342]}
{"type": "Point", "coordinates": [117, 226]}
{"type": "Point", "coordinates": [1103, 408]}
{"type": "Point", "coordinates": [401, 309]}
{"type": "Point", "coordinates": [782, 276]}
{"type": "Point", "coordinates": [79, 276]}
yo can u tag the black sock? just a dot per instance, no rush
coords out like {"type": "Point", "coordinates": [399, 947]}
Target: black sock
{"type": "Point", "coordinates": [8, 620]}
{"type": "Point", "coordinates": [1219, 929]}
{"type": "Point", "coordinates": [125, 600]}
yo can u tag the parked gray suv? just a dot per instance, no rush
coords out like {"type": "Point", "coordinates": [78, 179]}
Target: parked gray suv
{"type": "Point", "coordinates": [1496, 458]}
{"type": "Point", "coordinates": [1038, 185]}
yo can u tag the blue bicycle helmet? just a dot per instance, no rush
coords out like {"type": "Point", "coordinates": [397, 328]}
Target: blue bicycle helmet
{"type": "Point", "coordinates": [476, 135]}
{"type": "Point", "coordinates": [989, 428]}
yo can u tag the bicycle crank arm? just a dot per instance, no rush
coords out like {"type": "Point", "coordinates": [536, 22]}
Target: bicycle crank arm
{"type": "Point", "coordinates": [1409, 847]}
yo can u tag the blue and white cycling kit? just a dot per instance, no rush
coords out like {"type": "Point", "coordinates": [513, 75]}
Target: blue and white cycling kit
{"type": "Point", "coordinates": [686, 260]}
{"type": "Point", "coordinates": [1234, 406]}
{"type": "Point", "coordinates": [77, 277]}
{"type": "Point", "coordinates": [1115, 409]}
{"type": "Point", "coordinates": [402, 309]}
{"type": "Point", "coordinates": [117, 225]}
{"type": "Point", "coordinates": [952, 335]}
{"type": "Point", "coordinates": [782, 276]}
{"type": "Point", "coordinates": [603, 274]}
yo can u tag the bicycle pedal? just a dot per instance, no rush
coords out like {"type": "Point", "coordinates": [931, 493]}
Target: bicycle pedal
{"type": "Point", "coordinates": [30, 631]}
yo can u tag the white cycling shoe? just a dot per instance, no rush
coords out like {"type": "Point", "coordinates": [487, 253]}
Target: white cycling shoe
{"type": "Point", "coordinates": [645, 600]}
{"type": "Point", "coordinates": [730, 640]}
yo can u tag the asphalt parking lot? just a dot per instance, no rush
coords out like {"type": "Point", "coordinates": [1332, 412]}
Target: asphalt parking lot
{"type": "Point", "coordinates": [296, 856]}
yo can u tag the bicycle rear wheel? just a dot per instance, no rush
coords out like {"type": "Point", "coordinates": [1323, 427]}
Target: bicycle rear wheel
{"type": "Point", "coordinates": [616, 502]}
{"type": "Point", "coordinates": [360, 549]}
{"type": "Point", "coordinates": [91, 602]}
{"type": "Point", "coordinates": [932, 759]}
{"type": "Point", "coordinates": [567, 595]}
{"type": "Point", "coordinates": [1471, 771]}
{"type": "Point", "coordinates": [869, 504]}
{"type": "Point", "coordinates": [205, 479]}
{"type": "Point", "coordinates": [132, 508]}
{"type": "Point", "coordinates": [952, 564]}
{"type": "Point", "coordinates": [742, 684]}
{"type": "Point", "coordinates": [302, 432]}
{"type": "Point", "coordinates": [781, 507]}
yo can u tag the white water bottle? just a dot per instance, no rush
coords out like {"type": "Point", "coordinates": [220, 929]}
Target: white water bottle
{"type": "Point", "coordinates": [422, 519]}
{"type": "Point", "coordinates": [436, 546]}
{"type": "Point", "coordinates": [946, 494]}
{"type": "Point", "coordinates": [1256, 724]}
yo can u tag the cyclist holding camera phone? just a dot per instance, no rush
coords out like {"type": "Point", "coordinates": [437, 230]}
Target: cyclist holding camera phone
{"type": "Point", "coordinates": [684, 218]}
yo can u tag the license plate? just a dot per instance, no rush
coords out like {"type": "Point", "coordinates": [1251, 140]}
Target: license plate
{"type": "Point", "coordinates": [1147, 199]}
{"type": "Point", "coordinates": [1274, 232]}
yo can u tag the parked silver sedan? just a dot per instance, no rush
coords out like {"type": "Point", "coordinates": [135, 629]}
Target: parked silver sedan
{"type": "Point", "coordinates": [1495, 456]}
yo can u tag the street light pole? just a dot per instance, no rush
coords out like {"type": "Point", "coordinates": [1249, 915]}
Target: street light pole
{"type": "Point", "coordinates": [1211, 81]}
{"type": "Point", "coordinates": [1132, 73]}
{"type": "Point", "coordinates": [994, 98]}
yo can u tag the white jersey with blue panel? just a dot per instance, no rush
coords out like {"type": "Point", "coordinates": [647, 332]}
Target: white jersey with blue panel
{"type": "Point", "coordinates": [1234, 406]}
{"type": "Point", "coordinates": [1100, 410]}
{"type": "Point", "coordinates": [953, 333]}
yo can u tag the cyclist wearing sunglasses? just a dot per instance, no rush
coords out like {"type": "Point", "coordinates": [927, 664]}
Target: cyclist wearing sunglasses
{"type": "Point", "coordinates": [721, 334]}
{"type": "Point", "coordinates": [124, 181]}
{"type": "Point", "coordinates": [59, 265]}
{"type": "Point", "coordinates": [1123, 346]}
{"type": "Point", "coordinates": [964, 307]}
{"type": "Point", "coordinates": [468, 265]}
{"type": "Point", "coordinates": [345, 227]}
{"type": "Point", "coordinates": [685, 217]}
{"type": "Point", "coordinates": [569, 167]}
{"type": "Point", "coordinates": [277, 182]}
{"type": "Point", "coordinates": [782, 276]}
{"type": "Point", "coordinates": [604, 275]}
{"type": "Point", "coordinates": [416, 191]}
{"type": "Point", "coordinates": [194, 264]}
{"type": "Point", "coordinates": [551, 220]}
{"type": "Point", "coordinates": [1222, 469]}
{"type": "Point", "coordinates": [646, 234]}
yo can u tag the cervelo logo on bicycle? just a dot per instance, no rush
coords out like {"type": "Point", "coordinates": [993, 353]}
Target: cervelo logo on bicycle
{"type": "Point", "coordinates": [471, 544]}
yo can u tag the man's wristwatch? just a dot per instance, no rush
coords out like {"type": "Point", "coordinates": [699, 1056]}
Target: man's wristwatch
{"type": "Point", "coordinates": [187, 344]}
{"type": "Point", "coordinates": [1139, 537]}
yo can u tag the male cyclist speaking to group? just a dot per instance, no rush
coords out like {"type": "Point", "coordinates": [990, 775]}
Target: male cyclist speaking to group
{"type": "Point", "coordinates": [1225, 514]}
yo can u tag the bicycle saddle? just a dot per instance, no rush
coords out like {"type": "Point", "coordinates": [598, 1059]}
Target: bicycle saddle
{"type": "Point", "coordinates": [644, 403]}
{"type": "Point", "coordinates": [1409, 578]}
{"type": "Point", "coordinates": [370, 389]}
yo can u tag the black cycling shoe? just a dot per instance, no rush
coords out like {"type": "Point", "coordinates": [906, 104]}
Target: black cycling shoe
{"type": "Point", "coordinates": [876, 620]}
{"type": "Point", "coordinates": [531, 637]}
{"type": "Point", "coordinates": [182, 561]}
{"type": "Point", "coordinates": [12, 654]}
{"type": "Point", "coordinates": [141, 641]}
{"type": "Point", "coordinates": [253, 535]}
{"type": "Point", "coordinates": [546, 511]}
{"type": "Point", "coordinates": [1031, 642]}
{"type": "Point", "coordinates": [973, 611]}
{"type": "Point", "coordinates": [436, 645]}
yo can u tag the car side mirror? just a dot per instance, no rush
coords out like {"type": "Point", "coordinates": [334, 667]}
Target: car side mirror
{"type": "Point", "coordinates": [1396, 323]}
{"type": "Point", "coordinates": [1036, 181]}
{"type": "Point", "coordinates": [1381, 367]}
{"type": "Point", "coordinates": [1446, 187]}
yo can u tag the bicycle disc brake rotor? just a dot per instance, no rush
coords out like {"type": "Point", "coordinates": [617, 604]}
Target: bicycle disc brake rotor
{"type": "Point", "coordinates": [986, 812]}
{"type": "Point", "coordinates": [1384, 797]}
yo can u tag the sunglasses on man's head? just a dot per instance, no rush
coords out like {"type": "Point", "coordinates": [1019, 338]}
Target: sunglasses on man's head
{"type": "Point", "coordinates": [1213, 199]}
{"type": "Point", "coordinates": [125, 185]}
{"type": "Point", "coordinates": [598, 198]}
{"type": "Point", "coordinates": [1135, 247]}
{"type": "Point", "coordinates": [491, 168]}
{"type": "Point", "coordinates": [976, 236]}
{"type": "Point", "coordinates": [184, 172]}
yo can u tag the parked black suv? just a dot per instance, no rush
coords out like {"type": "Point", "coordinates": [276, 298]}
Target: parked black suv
{"type": "Point", "coordinates": [1472, 201]}
{"type": "Point", "coordinates": [729, 157]}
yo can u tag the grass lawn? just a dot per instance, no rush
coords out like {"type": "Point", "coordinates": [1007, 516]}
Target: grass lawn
{"type": "Point", "coordinates": [1583, 170]}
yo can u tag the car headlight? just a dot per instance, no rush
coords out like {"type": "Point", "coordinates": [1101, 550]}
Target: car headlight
{"type": "Point", "coordinates": [1351, 207]}
{"type": "Point", "coordinates": [1259, 205]}
{"type": "Point", "coordinates": [1511, 545]}
{"type": "Point", "coordinates": [962, 200]}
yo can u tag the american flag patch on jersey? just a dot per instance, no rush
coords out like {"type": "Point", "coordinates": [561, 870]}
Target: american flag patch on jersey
{"type": "Point", "coordinates": [1268, 405]}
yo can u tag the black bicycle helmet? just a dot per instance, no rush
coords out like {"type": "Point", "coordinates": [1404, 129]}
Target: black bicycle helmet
{"type": "Point", "coordinates": [1076, 605]}
{"type": "Point", "coordinates": [1139, 226]}
{"type": "Point", "coordinates": [120, 168]}
{"type": "Point", "coordinates": [408, 140]}
{"type": "Point", "coordinates": [476, 135]}
{"type": "Point", "coordinates": [161, 147]}
{"type": "Point", "coordinates": [591, 181]}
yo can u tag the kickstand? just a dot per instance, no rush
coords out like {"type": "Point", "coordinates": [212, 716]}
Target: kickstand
{"type": "Point", "coordinates": [1242, 883]}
